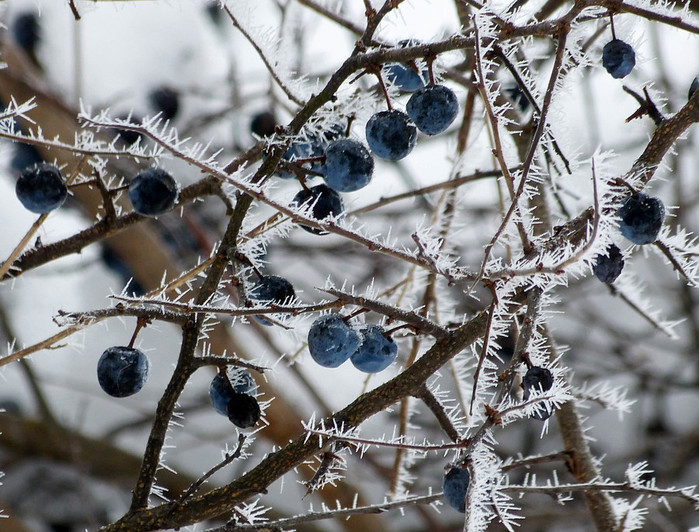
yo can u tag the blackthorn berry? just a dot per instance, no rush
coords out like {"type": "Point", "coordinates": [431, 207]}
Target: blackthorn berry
{"type": "Point", "coordinates": [331, 341]}
{"type": "Point", "coordinates": [122, 371]}
{"type": "Point", "coordinates": [223, 387]}
{"type": "Point", "coordinates": [152, 192]}
{"type": "Point", "coordinates": [271, 289]}
{"type": "Point", "coordinates": [538, 378]}
{"type": "Point", "coordinates": [263, 124]}
{"type": "Point", "coordinates": [391, 134]}
{"type": "Point", "coordinates": [166, 101]}
{"type": "Point", "coordinates": [41, 188]}
{"type": "Point", "coordinates": [618, 58]}
{"type": "Point", "coordinates": [693, 87]}
{"type": "Point", "coordinates": [348, 165]}
{"type": "Point", "coordinates": [455, 486]}
{"type": "Point", "coordinates": [375, 352]}
{"type": "Point", "coordinates": [608, 267]}
{"type": "Point", "coordinates": [243, 410]}
{"type": "Point", "coordinates": [324, 203]}
{"type": "Point", "coordinates": [404, 75]}
{"type": "Point", "coordinates": [640, 218]}
{"type": "Point", "coordinates": [27, 32]}
{"type": "Point", "coordinates": [433, 108]}
{"type": "Point", "coordinates": [128, 136]}
{"type": "Point", "coordinates": [24, 156]}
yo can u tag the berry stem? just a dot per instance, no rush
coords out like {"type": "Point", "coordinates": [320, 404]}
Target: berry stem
{"type": "Point", "coordinates": [377, 73]}
{"type": "Point", "coordinates": [611, 20]}
{"type": "Point", "coordinates": [140, 324]}
{"type": "Point", "coordinates": [430, 60]}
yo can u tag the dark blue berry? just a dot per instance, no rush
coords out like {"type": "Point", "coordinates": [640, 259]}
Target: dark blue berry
{"type": "Point", "coordinates": [263, 124]}
{"type": "Point", "coordinates": [223, 387]}
{"type": "Point", "coordinates": [618, 58]}
{"type": "Point", "coordinates": [348, 165]}
{"type": "Point", "coordinates": [518, 97]}
{"type": "Point", "coordinates": [299, 150]}
{"type": "Point", "coordinates": [152, 192]}
{"type": "Point", "coordinates": [271, 289]}
{"type": "Point", "coordinates": [455, 486]}
{"type": "Point", "coordinates": [26, 32]}
{"type": "Point", "coordinates": [323, 201]}
{"type": "Point", "coordinates": [640, 218]}
{"type": "Point", "coordinates": [539, 379]}
{"type": "Point", "coordinates": [41, 188]}
{"type": "Point", "coordinates": [243, 410]}
{"type": "Point", "coordinates": [24, 156]}
{"type": "Point", "coordinates": [608, 267]}
{"type": "Point", "coordinates": [391, 134]}
{"type": "Point", "coordinates": [375, 352]}
{"type": "Point", "coordinates": [166, 101]}
{"type": "Point", "coordinates": [693, 87]}
{"type": "Point", "coordinates": [331, 341]}
{"type": "Point", "coordinates": [405, 76]}
{"type": "Point", "coordinates": [128, 136]}
{"type": "Point", "coordinates": [433, 108]}
{"type": "Point", "coordinates": [122, 371]}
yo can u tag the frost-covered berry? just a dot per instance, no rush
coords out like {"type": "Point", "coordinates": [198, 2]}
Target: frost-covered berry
{"type": "Point", "coordinates": [166, 101]}
{"type": "Point", "coordinates": [24, 156]}
{"type": "Point", "coordinates": [693, 87]}
{"type": "Point", "coordinates": [263, 124]}
{"type": "Point", "coordinates": [640, 218]}
{"type": "Point", "coordinates": [324, 203]}
{"type": "Point", "coordinates": [618, 58]}
{"type": "Point", "coordinates": [608, 267]}
{"type": "Point", "coordinates": [122, 371]}
{"type": "Point", "coordinates": [26, 32]}
{"type": "Point", "coordinates": [152, 192]}
{"type": "Point", "coordinates": [404, 75]}
{"type": "Point", "coordinates": [348, 165]}
{"type": "Point", "coordinates": [41, 189]}
{"type": "Point", "coordinates": [539, 379]}
{"type": "Point", "coordinates": [271, 289]}
{"type": "Point", "coordinates": [243, 410]}
{"type": "Point", "coordinates": [331, 341]}
{"type": "Point", "coordinates": [223, 387]}
{"type": "Point", "coordinates": [376, 351]}
{"type": "Point", "coordinates": [391, 134]}
{"type": "Point", "coordinates": [455, 486]}
{"type": "Point", "coordinates": [433, 108]}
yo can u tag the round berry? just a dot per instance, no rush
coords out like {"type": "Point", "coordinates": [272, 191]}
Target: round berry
{"type": "Point", "coordinates": [348, 165]}
{"type": "Point", "coordinates": [618, 58]}
{"type": "Point", "coordinates": [455, 486]}
{"type": "Point", "coordinates": [122, 371]}
{"type": "Point", "coordinates": [391, 135]}
{"type": "Point", "coordinates": [263, 124]}
{"type": "Point", "coordinates": [693, 87]}
{"type": "Point", "coordinates": [243, 410]}
{"type": "Point", "coordinates": [27, 31]}
{"type": "Point", "coordinates": [538, 379]}
{"type": "Point", "coordinates": [376, 351]}
{"type": "Point", "coordinates": [640, 218]}
{"type": "Point", "coordinates": [41, 189]}
{"type": "Point", "coordinates": [324, 203]}
{"type": "Point", "coordinates": [433, 108]}
{"type": "Point", "coordinates": [331, 341]}
{"type": "Point", "coordinates": [406, 76]}
{"type": "Point", "coordinates": [166, 101]}
{"type": "Point", "coordinates": [608, 267]}
{"type": "Point", "coordinates": [152, 192]}
{"type": "Point", "coordinates": [223, 387]}
{"type": "Point", "coordinates": [271, 289]}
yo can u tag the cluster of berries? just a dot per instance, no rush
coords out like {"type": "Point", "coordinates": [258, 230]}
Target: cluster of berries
{"type": "Point", "coordinates": [331, 342]}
